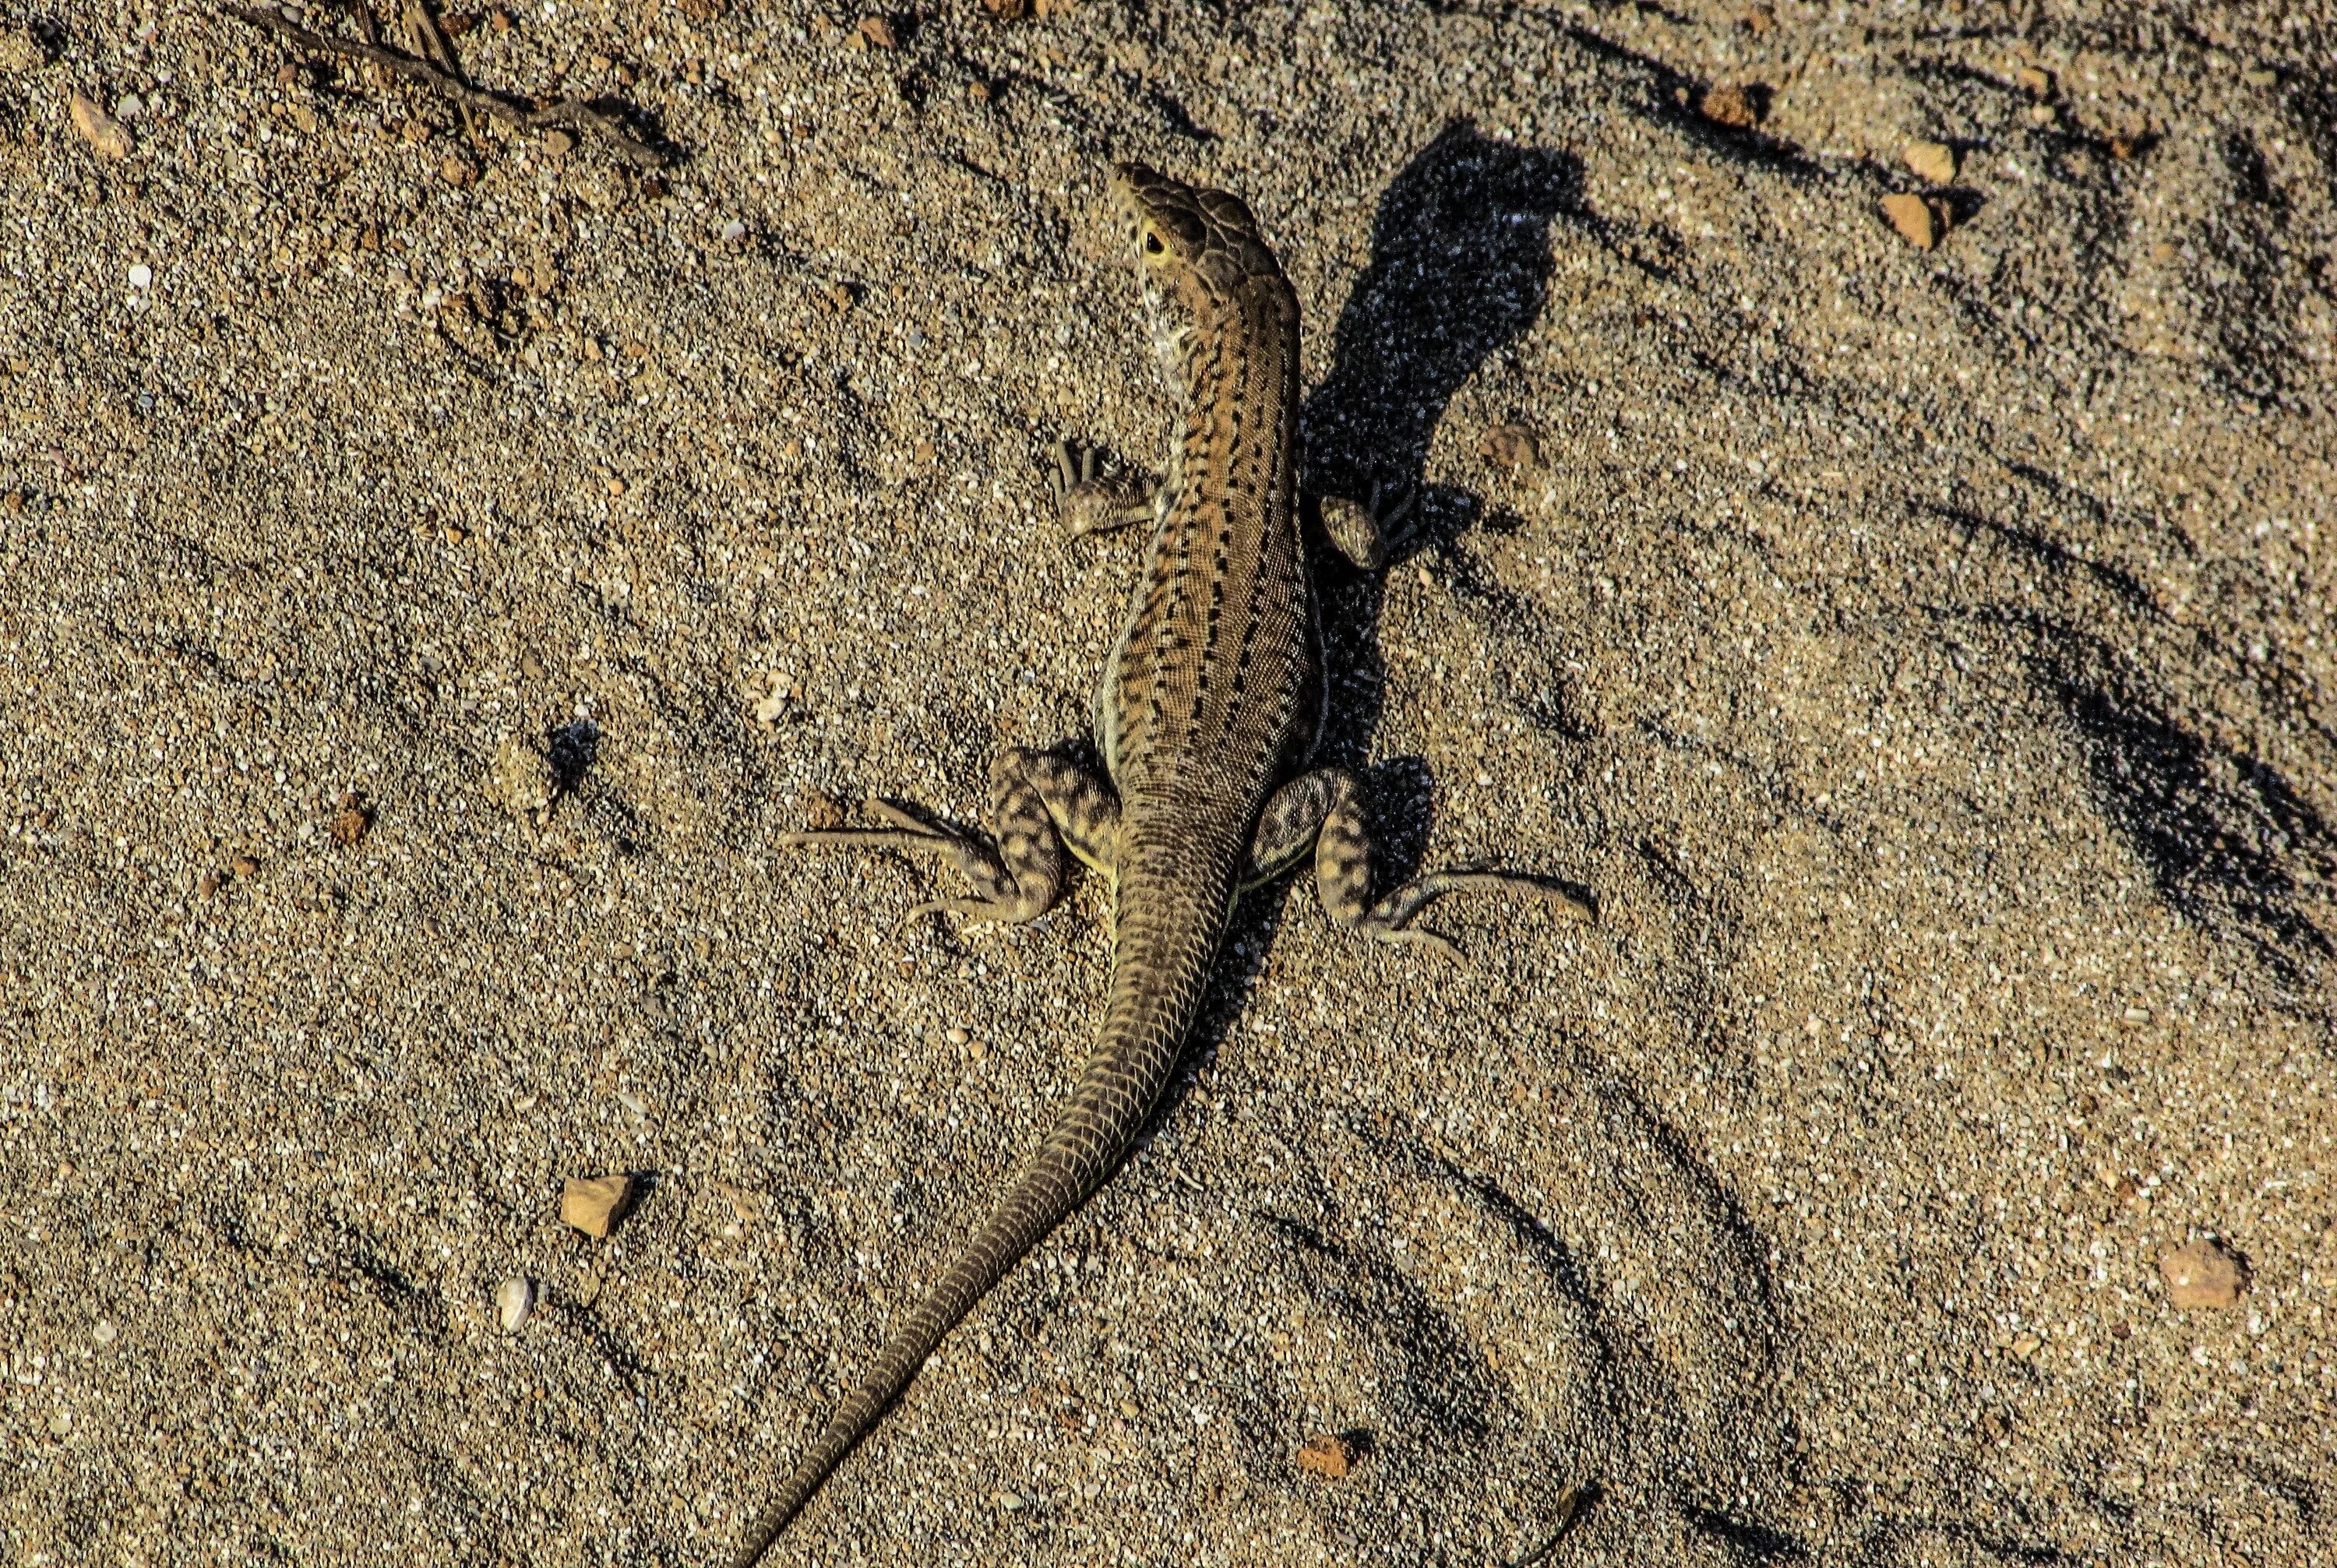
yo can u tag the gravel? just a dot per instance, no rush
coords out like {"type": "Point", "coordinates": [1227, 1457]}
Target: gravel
{"type": "Point", "coordinates": [1922, 657]}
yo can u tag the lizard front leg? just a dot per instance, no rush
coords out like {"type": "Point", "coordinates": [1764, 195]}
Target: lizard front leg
{"type": "Point", "coordinates": [1040, 805]}
{"type": "Point", "coordinates": [1094, 500]}
{"type": "Point", "coordinates": [1324, 809]}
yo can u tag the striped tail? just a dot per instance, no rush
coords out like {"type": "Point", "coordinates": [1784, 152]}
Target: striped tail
{"type": "Point", "coordinates": [1155, 988]}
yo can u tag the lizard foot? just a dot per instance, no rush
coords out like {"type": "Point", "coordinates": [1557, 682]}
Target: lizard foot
{"type": "Point", "coordinates": [1092, 499]}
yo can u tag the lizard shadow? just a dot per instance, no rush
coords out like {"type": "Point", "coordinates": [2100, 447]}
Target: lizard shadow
{"type": "Point", "coordinates": [1460, 269]}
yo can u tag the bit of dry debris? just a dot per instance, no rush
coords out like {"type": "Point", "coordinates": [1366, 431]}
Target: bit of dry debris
{"type": "Point", "coordinates": [594, 1204]}
{"type": "Point", "coordinates": [2203, 1277]}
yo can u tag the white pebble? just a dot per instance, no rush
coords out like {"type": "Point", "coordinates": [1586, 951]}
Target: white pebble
{"type": "Point", "coordinates": [514, 1299]}
{"type": "Point", "coordinates": [105, 1333]}
{"type": "Point", "coordinates": [142, 276]}
{"type": "Point", "coordinates": [733, 232]}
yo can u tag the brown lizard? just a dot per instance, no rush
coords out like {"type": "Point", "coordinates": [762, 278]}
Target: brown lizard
{"type": "Point", "coordinates": [1206, 717]}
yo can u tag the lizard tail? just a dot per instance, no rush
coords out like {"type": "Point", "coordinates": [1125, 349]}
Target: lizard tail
{"type": "Point", "coordinates": [1143, 1027]}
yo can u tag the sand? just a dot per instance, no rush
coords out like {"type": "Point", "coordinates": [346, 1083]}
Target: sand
{"type": "Point", "coordinates": [1922, 655]}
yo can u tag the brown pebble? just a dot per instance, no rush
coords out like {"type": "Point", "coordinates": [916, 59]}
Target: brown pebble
{"type": "Point", "coordinates": [2203, 1277]}
{"type": "Point", "coordinates": [349, 823]}
{"type": "Point", "coordinates": [2123, 147]}
{"type": "Point", "coordinates": [1935, 161]}
{"type": "Point", "coordinates": [1511, 444]}
{"type": "Point", "coordinates": [1329, 1456]}
{"type": "Point", "coordinates": [2035, 82]}
{"type": "Point", "coordinates": [1913, 217]}
{"type": "Point", "coordinates": [819, 810]}
{"type": "Point", "coordinates": [1734, 107]}
{"type": "Point", "coordinates": [456, 171]}
{"type": "Point", "coordinates": [979, 91]}
{"type": "Point", "coordinates": [105, 133]}
{"type": "Point", "coordinates": [1760, 21]}
{"type": "Point", "coordinates": [1007, 10]}
{"type": "Point", "coordinates": [208, 884]}
{"type": "Point", "coordinates": [877, 33]}
{"type": "Point", "coordinates": [244, 865]}
{"type": "Point", "coordinates": [594, 1204]}
{"type": "Point", "coordinates": [559, 144]}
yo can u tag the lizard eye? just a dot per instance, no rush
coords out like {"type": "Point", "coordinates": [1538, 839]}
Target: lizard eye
{"type": "Point", "coordinates": [1152, 246]}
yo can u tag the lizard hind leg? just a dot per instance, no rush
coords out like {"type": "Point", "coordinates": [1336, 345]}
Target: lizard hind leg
{"type": "Point", "coordinates": [1325, 808]}
{"type": "Point", "coordinates": [1039, 806]}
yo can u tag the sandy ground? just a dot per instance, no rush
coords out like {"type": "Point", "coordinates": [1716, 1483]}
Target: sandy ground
{"type": "Point", "coordinates": [1922, 655]}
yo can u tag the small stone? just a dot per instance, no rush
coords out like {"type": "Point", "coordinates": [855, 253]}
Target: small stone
{"type": "Point", "coordinates": [1007, 10]}
{"type": "Point", "coordinates": [734, 232]}
{"type": "Point", "coordinates": [244, 865]}
{"type": "Point", "coordinates": [1913, 217]}
{"type": "Point", "coordinates": [956, 1036]}
{"type": "Point", "coordinates": [1511, 445]}
{"type": "Point", "coordinates": [451, 532]}
{"type": "Point", "coordinates": [2036, 84]}
{"type": "Point", "coordinates": [772, 706]}
{"type": "Point", "coordinates": [2261, 76]}
{"type": "Point", "coordinates": [514, 1299]}
{"type": "Point", "coordinates": [616, 486]}
{"type": "Point", "coordinates": [593, 1204]}
{"type": "Point", "coordinates": [142, 276]}
{"type": "Point", "coordinates": [877, 33]}
{"type": "Point", "coordinates": [1329, 1456]}
{"type": "Point", "coordinates": [105, 1333]}
{"type": "Point", "coordinates": [1760, 21]}
{"type": "Point", "coordinates": [558, 143]}
{"type": "Point", "coordinates": [2043, 114]}
{"type": "Point", "coordinates": [2025, 1345]}
{"type": "Point", "coordinates": [1736, 107]}
{"type": "Point", "coordinates": [2203, 1277]}
{"type": "Point", "coordinates": [105, 133]}
{"type": "Point", "coordinates": [820, 811]}
{"type": "Point", "coordinates": [1935, 161]}
{"type": "Point", "coordinates": [978, 91]}
{"type": "Point", "coordinates": [840, 295]}
{"type": "Point", "coordinates": [456, 171]}
{"type": "Point", "coordinates": [350, 822]}
{"type": "Point", "coordinates": [20, 51]}
{"type": "Point", "coordinates": [2124, 146]}
{"type": "Point", "coordinates": [521, 779]}
{"type": "Point", "coordinates": [208, 884]}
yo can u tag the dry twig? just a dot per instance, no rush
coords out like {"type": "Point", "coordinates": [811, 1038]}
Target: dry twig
{"type": "Point", "coordinates": [568, 114]}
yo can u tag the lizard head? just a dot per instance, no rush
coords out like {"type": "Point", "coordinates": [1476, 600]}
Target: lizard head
{"type": "Point", "coordinates": [1194, 248]}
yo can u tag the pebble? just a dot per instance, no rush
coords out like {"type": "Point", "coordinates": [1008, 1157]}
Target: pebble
{"type": "Point", "coordinates": [773, 705]}
{"type": "Point", "coordinates": [514, 1299]}
{"type": "Point", "coordinates": [593, 1204]}
{"type": "Point", "coordinates": [244, 865]}
{"type": "Point", "coordinates": [456, 171]}
{"type": "Point", "coordinates": [1511, 445]}
{"type": "Point", "coordinates": [956, 1037]}
{"type": "Point", "coordinates": [1913, 217]}
{"type": "Point", "coordinates": [876, 32]}
{"type": "Point", "coordinates": [2203, 1277]}
{"type": "Point", "coordinates": [105, 1333]}
{"type": "Point", "coordinates": [2034, 81]}
{"type": "Point", "coordinates": [142, 276]}
{"type": "Point", "coordinates": [1935, 161]}
{"type": "Point", "coordinates": [208, 884]}
{"type": "Point", "coordinates": [1731, 106]}
{"type": "Point", "coordinates": [105, 133]}
{"type": "Point", "coordinates": [1328, 1456]}
{"type": "Point", "coordinates": [559, 144]}
{"type": "Point", "coordinates": [351, 821]}
{"type": "Point", "coordinates": [819, 810]}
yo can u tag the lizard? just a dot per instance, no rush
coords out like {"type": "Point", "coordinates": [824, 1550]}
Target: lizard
{"type": "Point", "coordinates": [1207, 717]}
